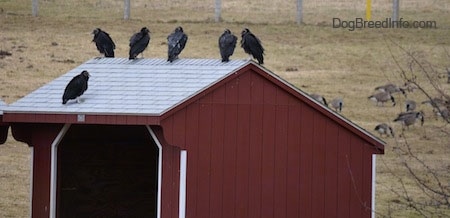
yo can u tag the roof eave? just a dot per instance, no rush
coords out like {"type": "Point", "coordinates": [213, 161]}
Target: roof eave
{"type": "Point", "coordinates": [81, 118]}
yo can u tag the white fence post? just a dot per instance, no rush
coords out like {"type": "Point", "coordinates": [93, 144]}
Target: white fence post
{"type": "Point", "coordinates": [299, 11]}
{"type": "Point", "coordinates": [126, 10]}
{"type": "Point", "coordinates": [34, 8]}
{"type": "Point", "coordinates": [218, 10]}
{"type": "Point", "coordinates": [395, 10]}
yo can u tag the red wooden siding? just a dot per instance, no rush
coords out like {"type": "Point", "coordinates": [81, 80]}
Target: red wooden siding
{"type": "Point", "coordinates": [255, 150]}
{"type": "Point", "coordinates": [41, 138]}
{"type": "Point", "coordinates": [170, 177]}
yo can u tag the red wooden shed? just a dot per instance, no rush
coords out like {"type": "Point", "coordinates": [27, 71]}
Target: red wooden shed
{"type": "Point", "coordinates": [193, 138]}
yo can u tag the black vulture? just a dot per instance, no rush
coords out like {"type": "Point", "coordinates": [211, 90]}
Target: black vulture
{"type": "Point", "coordinates": [252, 45]}
{"type": "Point", "coordinates": [139, 42]}
{"type": "Point", "coordinates": [227, 43]}
{"type": "Point", "coordinates": [76, 87]}
{"type": "Point", "coordinates": [104, 43]}
{"type": "Point", "coordinates": [176, 42]}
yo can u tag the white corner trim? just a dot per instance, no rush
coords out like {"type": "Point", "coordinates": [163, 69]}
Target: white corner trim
{"type": "Point", "coordinates": [54, 168]}
{"type": "Point", "coordinates": [183, 167]}
{"type": "Point", "coordinates": [158, 204]}
{"type": "Point", "coordinates": [31, 179]}
{"type": "Point", "coordinates": [374, 173]}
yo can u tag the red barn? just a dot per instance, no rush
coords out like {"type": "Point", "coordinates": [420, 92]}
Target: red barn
{"type": "Point", "coordinates": [193, 138]}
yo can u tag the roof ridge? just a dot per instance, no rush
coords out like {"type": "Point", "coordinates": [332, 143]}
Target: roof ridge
{"type": "Point", "coordinates": [161, 61]}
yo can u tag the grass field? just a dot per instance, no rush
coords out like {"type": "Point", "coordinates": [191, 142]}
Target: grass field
{"type": "Point", "coordinates": [314, 56]}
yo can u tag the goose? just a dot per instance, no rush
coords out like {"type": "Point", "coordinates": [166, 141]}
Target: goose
{"type": "Point", "coordinates": [435, 102]}
{"type": "Point", "coordinates": [382, 97]}
{"type": "Point", "coordinates": [410, 105]}
{"type": "Point", "coordinates": [384, 129]}
{"type": "Point", "coordinates": [409, 118]}
{"type": "Point", "coordinates": [337, 104]}
{"type": "Point", "coordinates": [442, 111]}
{"type": "Point", "coordinates": [390, 88]}
{"type": "Point", "coordinates": [319, 98]}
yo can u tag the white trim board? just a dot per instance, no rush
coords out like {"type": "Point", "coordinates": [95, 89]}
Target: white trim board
{"type": "Point", "coordinates": [158, 203]}
{"type": "Point", "coordinates": [54, 169]}
{"type": "Point", "coordinates": [374, 173]}
{"type": "Point", "coordinates": [182, 194]}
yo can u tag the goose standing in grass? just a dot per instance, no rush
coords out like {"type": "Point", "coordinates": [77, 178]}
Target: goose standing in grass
{"type": "Point", "coordinates": [337, 104]}
{"type": "Point", "coordinates": [409, 118]}
{"type": "Point", "coordinates": [390, 88]}
{"type": "Point", "coordinates": [382, 97]}
{"type": "Point", "coordinates": [384, 129]}
{"type": "Point", "coordinates": [410, 105]}
{"type": "Point", "coordinates": [435, 102]}
{"type": "Point", "coordinates": [319, 98]}
{"type": "Point", "coordinates": [442, 111]}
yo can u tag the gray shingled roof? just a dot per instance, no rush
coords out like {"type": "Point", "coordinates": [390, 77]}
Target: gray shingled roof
{"type": "Point", "coordinates": [122, 86]}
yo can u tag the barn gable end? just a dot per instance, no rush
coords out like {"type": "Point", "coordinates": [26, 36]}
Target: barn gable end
{"type": "Point", "coordinates": [258, 148]}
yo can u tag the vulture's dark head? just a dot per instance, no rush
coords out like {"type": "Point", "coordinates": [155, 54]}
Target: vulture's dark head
{"type": "Point", "coordinates": [227, 31]}
{"type": "Point", "coordinates": [96, 31]}
{"type": "Point", "coordinates": [86, 74]}
{"type": "Point", "coordinates": [144, 30]}
{"type": "Point", "coordinates": [245, 31]}
{"type": "Point", "coordinates": [179, 29]}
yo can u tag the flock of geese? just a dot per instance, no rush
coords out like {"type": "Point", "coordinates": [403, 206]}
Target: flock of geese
{"type": "Point", "coordinates": [410, 115]}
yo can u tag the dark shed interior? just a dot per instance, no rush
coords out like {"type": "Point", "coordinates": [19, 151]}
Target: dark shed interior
{"type": "Point", "coordinates": [107, 171]}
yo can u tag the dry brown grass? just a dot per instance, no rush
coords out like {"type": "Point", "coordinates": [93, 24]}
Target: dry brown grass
{"type": "Point", "coordinates": [332, 62]}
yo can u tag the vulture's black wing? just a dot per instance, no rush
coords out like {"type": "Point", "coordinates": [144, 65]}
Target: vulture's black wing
{"type": "Point", "coordinates": [252, 45]}
{"type": "Point", "coordinates": [76, 87]}
{"type": "Point", "coordinates": [105, 45]}
{"type": "Point", "coordinates": [176, 42]}
{"type": "Point", "coordinates": [227, 44]}
{"type": "Point", "coordinates": [139, 42]}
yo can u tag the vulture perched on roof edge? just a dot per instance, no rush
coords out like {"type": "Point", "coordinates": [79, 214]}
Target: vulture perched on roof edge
{"type": "Point", "coordinates": [139, 42]}
{"type": "Point", "coordinates": [76, 87]}
{"type": "Point", "coordinates": [252, 45]}
{"type": "Point", "coordinates": [176, 42]}
{"type": "Point", "coordinates": [227, 44]}
{"type": "Point", "coordinates": [104, 43]}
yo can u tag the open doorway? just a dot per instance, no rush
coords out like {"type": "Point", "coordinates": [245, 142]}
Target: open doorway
{"type": "Point", "coordinates": [107, 171]}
